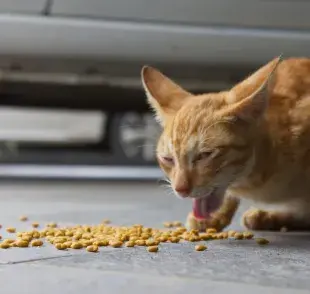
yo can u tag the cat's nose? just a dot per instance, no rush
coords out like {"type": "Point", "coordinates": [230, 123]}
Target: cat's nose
{"type": "Point", "coordinates": [183, 190]}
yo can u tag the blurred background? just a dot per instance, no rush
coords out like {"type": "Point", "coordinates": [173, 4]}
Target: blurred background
{"type": "Point", "coordinates": [71, 101]}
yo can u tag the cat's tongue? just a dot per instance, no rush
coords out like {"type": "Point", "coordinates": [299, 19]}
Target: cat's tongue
{"type": "Point", "coordinates": [203, 207]}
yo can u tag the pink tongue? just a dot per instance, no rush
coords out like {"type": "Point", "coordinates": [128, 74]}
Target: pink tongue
{"type": "Point", "coordinates": [203, 207]}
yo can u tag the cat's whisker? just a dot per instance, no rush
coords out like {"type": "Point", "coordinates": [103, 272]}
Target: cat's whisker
{"type": "Point", "coordinates": [147, 145]}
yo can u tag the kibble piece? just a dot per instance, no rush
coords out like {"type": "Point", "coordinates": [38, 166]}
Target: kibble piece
{"type": "Point", "coordinates": [77, 236]}
{"type": "Point", "coordinates": [151, 243]}
{"type": "Point", "coordinates": [86, 236]}
{"type": "Point", "coordinates": [145, 236]}
{"type": "Point", "coordinates": [200, 247]}
{"type": "Point", "coordinates": [248, 235]}
{"type": "Point", "coordinates": [5, 245]}
{"type": "Point", "coordinates": [177, 224]}
{"type": "Point", "coordinates": [168, 225]}
{"type": "Point", "coordinates": [194, 232]}
{"type": "Point", "coordinates": [87, 243]}
{"type": "Point", "coordinates": [42, 234]}
{"type": "Point", "coordinates": [101, 242]}
{"type": "Point", "coordinates": [116, 243]}
{"type": "Point", "coordinates": [175, 234]}
{"type": "Point", "coordinates": [50, 233]}
{"type": "Point", "coordinates": [59, 240]}
{"type": "Point", "coordinates": [138, 226]}
{"type": "Point", "coordinates": [238, 236]}
{"type": "Point", "coordinates": [225, 235]}
{"type": "Point", "coordinates": [174, 240]}
{"type": "Point", "coordinates": [231, 234]}
{"type": "Point", "coordinates": [35, 235]}
{"type": "Point", "coordinates": [106, 221]}
{"type": "Point", "coordinates": [92, 248]}
{"type": "Point", "coordinates": [36, 243]}
{"type": "Point", "coordinates": [211, 231]}
{"type": "Point", "coordinates": [130, 244]}
{"type": "Point", "coordinates": [0, 237]}
{"type": "Point", "coordinates": [21, 243]}
{"type": "Point", "coordinates": [59, 234]}
{"type": "Point", "coordinates": [11, 230]}
{"type": "Point", "coordinates": [35, 225]}
{"type": "Point", "coordinates": [262, 241]}
{"type": "Point", "coordinates": [152, 248]}
{"type": "Point", "coordinates": [52, 225]}
{"type": "Point", "coordinates": [133, 238]}
{"type": "Point", "coordinates": [0, 226]}
{"type": "Point", "coordinates": [194, 238]}
{"type": "Point", "coordinates": [26, 238]}
{"type": "Point", "coordinates": [181, 230]}
{"type": "Point", "coordinates": [140, 242]}
{"type": "Point", "coordinates": [124, 238]}
{"type": "Point", "coordinates": [8, 241]}
{"type": "Point", "coordinates": [163, 239]}
{"type": "Point", "coordinates": [69, 234]}
{"type": "Point", "coordinates": [23, 218]}
{"type": "Point", "coordinates": [205, 236]}
{"type": "Point", "coordinates": [76, 245]}
{"type": "Point", "coordinates": [68, 244]}
{"type": "Point", "coordinates": [61, 246]}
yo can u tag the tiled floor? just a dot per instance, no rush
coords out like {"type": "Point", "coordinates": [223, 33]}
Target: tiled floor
{"type": "Point", "coordinates": [227, 266]}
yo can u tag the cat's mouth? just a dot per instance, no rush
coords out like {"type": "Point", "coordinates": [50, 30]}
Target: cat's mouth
{"type": "Point", "coordinates": [204, 206]}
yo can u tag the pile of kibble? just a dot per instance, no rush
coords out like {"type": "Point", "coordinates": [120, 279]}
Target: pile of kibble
{"type": "Point", "coordinates": [93, 237]}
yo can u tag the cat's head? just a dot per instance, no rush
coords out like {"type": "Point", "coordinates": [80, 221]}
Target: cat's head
{"type": "Point", "coordinates": [207, 140]}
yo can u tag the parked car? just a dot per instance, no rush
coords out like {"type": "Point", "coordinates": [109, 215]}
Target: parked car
{"type": "Point", "coordinates": [62, 61]}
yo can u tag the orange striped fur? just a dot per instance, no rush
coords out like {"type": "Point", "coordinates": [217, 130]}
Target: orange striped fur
{"type": "Point", "coordinates": [251, 141]}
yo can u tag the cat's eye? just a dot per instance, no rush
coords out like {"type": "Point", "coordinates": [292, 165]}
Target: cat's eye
{"type": "Point", "coordinates": [167, 160]}
{"type": "Point", "coordinates": [203, 155]}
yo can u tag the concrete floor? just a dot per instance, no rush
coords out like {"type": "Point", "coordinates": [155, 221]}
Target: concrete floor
{"type": "Point", "coordinates": [227, 266]}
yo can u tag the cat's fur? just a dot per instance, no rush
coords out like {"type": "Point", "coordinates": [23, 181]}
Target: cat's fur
{"type": "Point", "coordinates": [252, 141]}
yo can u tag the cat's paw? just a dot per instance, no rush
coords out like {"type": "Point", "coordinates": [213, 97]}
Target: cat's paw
{"type": "Point", "coordinates": [217, 221]}
{"type": "Point", "coordinates": [261, 220]}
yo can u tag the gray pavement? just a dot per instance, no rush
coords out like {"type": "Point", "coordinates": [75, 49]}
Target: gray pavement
{"type": "Point", "coordinates": [227, 266]}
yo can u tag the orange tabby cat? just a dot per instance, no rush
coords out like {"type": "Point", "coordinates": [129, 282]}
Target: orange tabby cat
{"type": "Point", "coordinates": [252, 141]}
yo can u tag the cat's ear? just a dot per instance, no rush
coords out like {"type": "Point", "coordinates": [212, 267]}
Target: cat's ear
{"type": "Point", "coordinates": [164, 95]}
{"type": "Point", "coordinates": [253, 93]}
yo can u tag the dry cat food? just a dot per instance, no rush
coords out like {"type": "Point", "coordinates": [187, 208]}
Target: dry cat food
{"type": "Point", "coordinates": [36, 243]}
{"type": "Point", "coordinates": [5, 245]}
{"type": "Point", "coordinates": [93, 237]}
{"type": "Point", "coordinates": [152, 248]}
{"type": "Point", "coordinates": [35, 225]}
{"type": "Point", "coordinates": [168, 225]}
{"type": "Point", "coordinates": [248, 235]}
{"type": "Point", "coordinates": [106, 221]}
{"type": "Point", "coordinates": [262, 241]}
{"type": "Point", "coordinates": [23, 218]}
{"type": "Point", "coordinates": [200, 247]}
{"type": "Point", "coordinates": [20, 243]}
{"type": "Point", "coordinates": [238, 236]}
{"type": "Point", "coordinates": [92, 248]}
{"type": "Point", "coordinates": [130, 244]}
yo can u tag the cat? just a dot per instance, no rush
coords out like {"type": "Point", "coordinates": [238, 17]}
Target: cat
{"type": "Point", "coordinates": [251, 141]}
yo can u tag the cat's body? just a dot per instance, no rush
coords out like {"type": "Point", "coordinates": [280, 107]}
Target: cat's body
{"type": "Point", "coordinates": [252, 141]}
{"type": "Point", "coordinates": [283, 158]}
